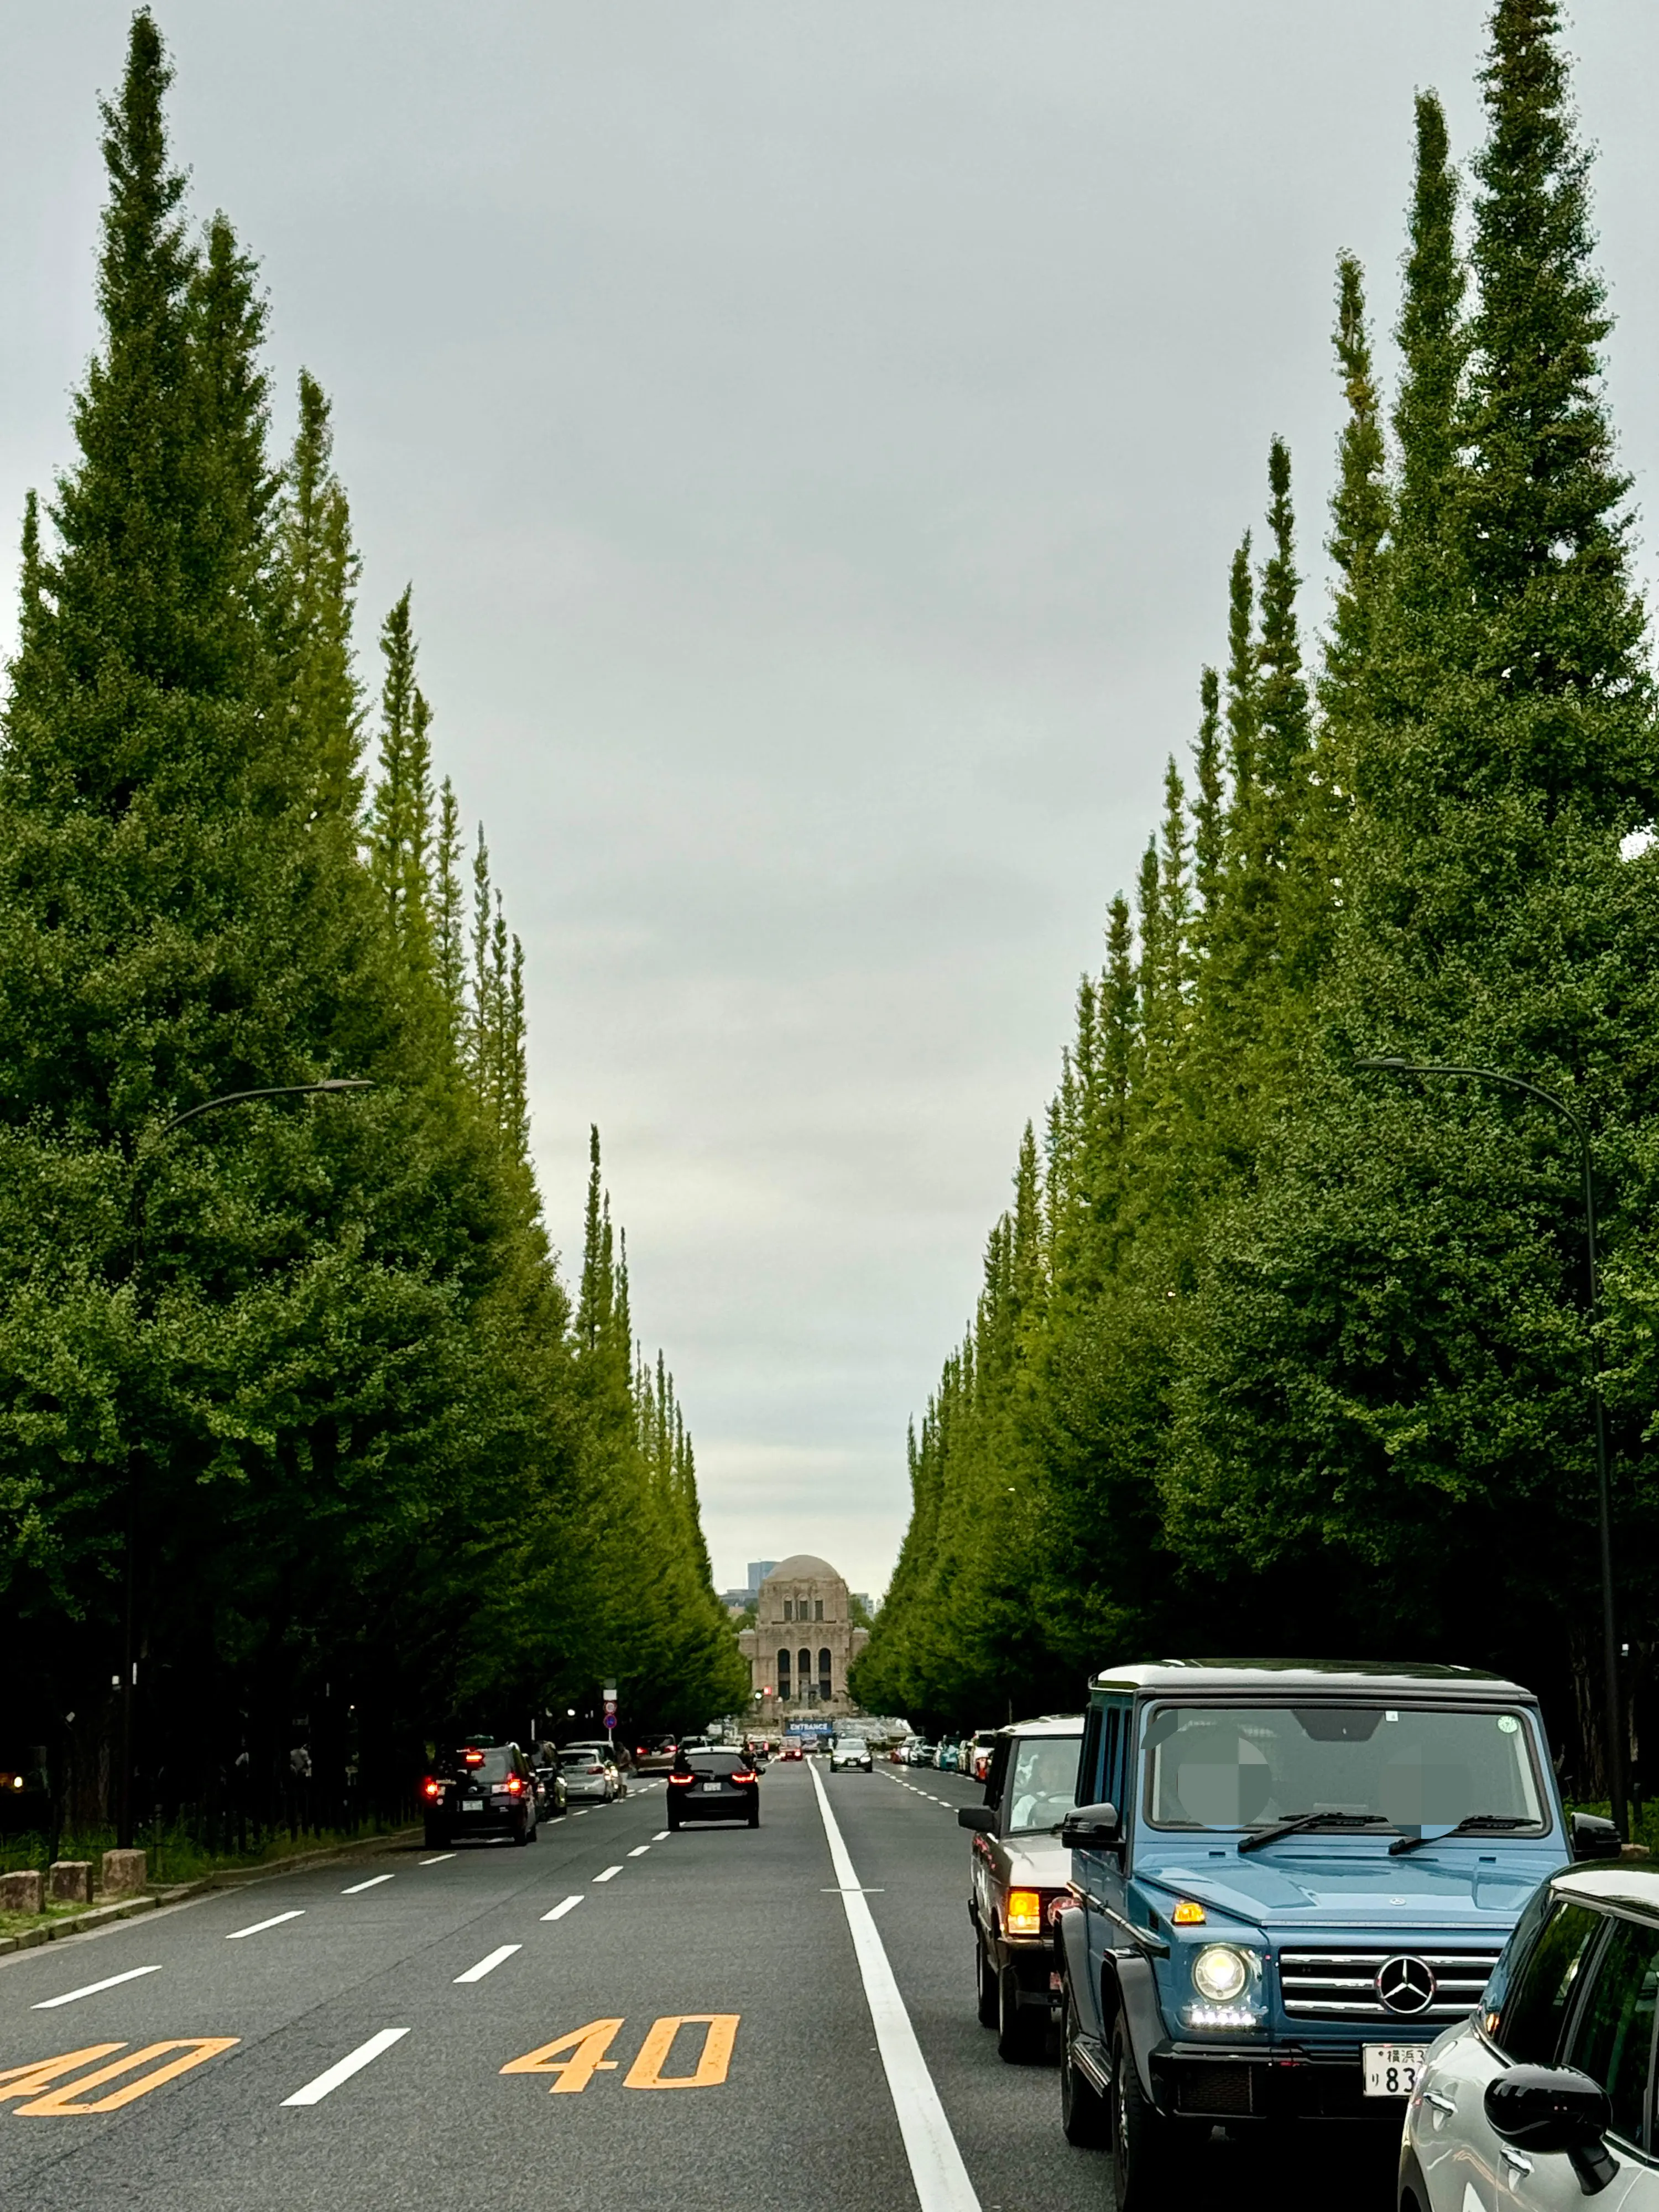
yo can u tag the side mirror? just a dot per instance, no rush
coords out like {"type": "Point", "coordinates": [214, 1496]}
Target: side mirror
{"type": "Point", "coordinates": [1593, 1837]}
{"type": "Point", "coordinates": [1092, 1828]}
{"type": "Point", "coordinates": [982, 1817]}
{"type": "Point", "coordinates": [1555, 2108]}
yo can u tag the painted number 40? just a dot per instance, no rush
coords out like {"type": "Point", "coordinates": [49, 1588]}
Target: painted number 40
{"type": "Point", "coordinates": [574, 2059]}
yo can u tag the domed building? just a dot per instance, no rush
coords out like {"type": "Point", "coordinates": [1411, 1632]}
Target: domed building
{"type": "Point", "coordinates": [802, 1644]}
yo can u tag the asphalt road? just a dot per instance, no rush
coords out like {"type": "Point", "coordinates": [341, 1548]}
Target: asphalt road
{"type": "Point", "coordinates": [459, 1985]}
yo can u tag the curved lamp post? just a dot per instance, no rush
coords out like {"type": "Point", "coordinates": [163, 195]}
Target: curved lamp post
{"type": "Point", "coordinates": [1612, 1717]}
{"type": "Point", "coordinates": [327, 1087]}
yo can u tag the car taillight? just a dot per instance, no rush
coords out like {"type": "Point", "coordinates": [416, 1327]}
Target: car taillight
{"type": "Point", "coordinates": [515, 1785]}
{"type": "Point", "coordinates": [472, 1757]}
{"type": "Point", "coordinates": [1024, 1912]}
{"type": "Point", "coordinates": [432, 1789]}
{"type": "Point", "coordinates": [679, 1780]}
{"type": "Point", "coordinates": [746, 1776]}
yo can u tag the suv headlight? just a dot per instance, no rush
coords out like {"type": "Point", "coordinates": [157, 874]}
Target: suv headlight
{"type": "Point", "coordinates": [1220, 1974]}
{"type": "Point", "coordinates": [1227, 1985]}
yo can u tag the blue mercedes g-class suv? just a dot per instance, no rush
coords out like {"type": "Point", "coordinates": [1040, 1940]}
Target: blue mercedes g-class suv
{"type": "Point", "coordinates": [1287, 1878]}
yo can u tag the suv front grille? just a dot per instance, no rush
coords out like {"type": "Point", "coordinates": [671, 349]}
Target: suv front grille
{"type": "Point", "coordinates": [1344, 1984]}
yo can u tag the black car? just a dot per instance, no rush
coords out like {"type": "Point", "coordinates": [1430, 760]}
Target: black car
{"type": "Point", "coordinates": [714, 1785]}
{"type": "Point", "coordinates": [481, 1789]}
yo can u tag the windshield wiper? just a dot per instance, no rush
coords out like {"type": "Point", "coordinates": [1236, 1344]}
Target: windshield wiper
{"type": "Point", "coordinates": [1299, 1823]}
{"type": "Point", "coordinates": [1477, 1824]}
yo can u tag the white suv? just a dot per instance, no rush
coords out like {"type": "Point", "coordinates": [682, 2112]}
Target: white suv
{"type": "Point", "coordinates": [1545, 2096]}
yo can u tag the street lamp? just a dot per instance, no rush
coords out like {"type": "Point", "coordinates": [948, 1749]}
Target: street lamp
{"type": "Point", "coordinates": [329, 1086]}
{"type": "Point", "coordinates": [1394, 1065]}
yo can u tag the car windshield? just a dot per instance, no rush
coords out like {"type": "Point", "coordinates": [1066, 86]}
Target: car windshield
{"type": "Point", "coordinates": [1412, 1767]}
{"type": "Point", "coordinates": [1042, 1784]}
{"type": "Point", "coordinates": [717, 1762]}
{"type": "Point", "coordinates": [583, 1755]}
{"type": "Point", "coordinates": [485, 1766]}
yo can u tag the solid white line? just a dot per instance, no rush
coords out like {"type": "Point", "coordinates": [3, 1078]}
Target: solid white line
{"type": "Point", "coordinates": [606, 1876]}
{"type": "Point", "coordinates": [260, 1926]}
{"type": "Point", "coordinates": [559, 1910]}
{"type": "Point", "coordinates": [353, 2062]}
{"type": "Point", "coordinates": [357, 1887]}
{"type": "Point", "coordinates": [93, 1988]}
{"type": "Point", "coordinates": [439, 1861]}
{"type": "Point", "coordinates": [488, 1966]}
{"type": "Point", "coordinates": [639, 1850]}
{"type": "Point", "coordinates": [936, 2168]}
{"type": "Point", "coordinates": [663, 1838]}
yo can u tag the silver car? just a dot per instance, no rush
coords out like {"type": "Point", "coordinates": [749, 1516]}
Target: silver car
{"type": "Point", "coordinates": [1018, 1874]}
{"type": "Point", "coordinates": [1544, 2096]}
{"type": "Point", "coordinates": [590, 1770]}
{"type": "Point", "coordinates": [850, 1754]}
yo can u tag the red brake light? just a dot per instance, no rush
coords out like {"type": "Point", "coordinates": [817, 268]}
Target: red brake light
{"type": "Point", "coordinates": [515, 1785]}
{"type": "Point", "coordinates": [431, 1788]}
{"type": "Point", "coordinates": [744, 1774]}
{"type": "Point", "coordinates": [472, 1757]}
{"type": "Point", "coordinates": [682, 1779]}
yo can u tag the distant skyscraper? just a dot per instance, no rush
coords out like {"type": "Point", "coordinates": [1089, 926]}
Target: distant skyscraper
{"type": "Point", "coordinates": [758, 1571]}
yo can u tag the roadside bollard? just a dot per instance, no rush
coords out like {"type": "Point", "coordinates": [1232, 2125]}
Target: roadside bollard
{"type": "Point", "coordinates": [21, 1893]}
{"type": "Point", "coordinates": [69, 1881]}
{"type": "Point", "coordinates": [124, 1873]}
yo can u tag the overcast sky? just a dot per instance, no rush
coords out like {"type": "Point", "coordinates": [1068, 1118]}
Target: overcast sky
{"type": "Point", "coordinates": [816, 435]}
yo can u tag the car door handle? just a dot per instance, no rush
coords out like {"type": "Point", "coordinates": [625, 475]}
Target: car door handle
{"type": "Point", "coordinates": [1513, 2158]}
{"type": "Point", "coordinates": [1441, 2104]}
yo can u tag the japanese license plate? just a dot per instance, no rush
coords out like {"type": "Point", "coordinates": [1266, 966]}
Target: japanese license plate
{"type": "Point", "coordinates": [716, 1786]}
{"type": "Point", "coordinates": [471, 1805]}
{"type": "Point", "coordinates": [1391, 2068]}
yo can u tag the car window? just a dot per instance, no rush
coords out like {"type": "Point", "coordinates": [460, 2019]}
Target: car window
{"type": "Point", "coordinates": [716, 1762]}
{"type": "Point", "coordinates": [1225, 1766]}
{"type": "Point", "coordinates": [1041, 1782]}
{"type": "Point", "coordinates": [485, 1766]}
{"type": "Point", "coordinates": [1527, 2024]}
{"type": "Point", "coordinates": [1613, 2036]}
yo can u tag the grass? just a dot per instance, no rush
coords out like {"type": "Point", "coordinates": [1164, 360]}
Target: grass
{"type": "Point", "coordinates": [175, 1855]}
{"type": "Point", "coordinates": [16, 1924]}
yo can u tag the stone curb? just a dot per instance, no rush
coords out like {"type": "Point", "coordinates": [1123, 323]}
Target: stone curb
{"type": "Point", "coordinates": [77, 1923]}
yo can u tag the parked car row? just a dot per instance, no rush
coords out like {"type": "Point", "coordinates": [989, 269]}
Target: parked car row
{"type": "Point", "coordinates": [486, 1788]}
{"type": "Point", "coordinates": [966, 1755]}
{"type": "Point", "coordinates": [1239, 1897]}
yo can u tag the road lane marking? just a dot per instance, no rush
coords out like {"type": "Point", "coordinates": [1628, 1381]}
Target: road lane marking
{"type": "Point", "coordinates": [343, 2069]}
{"type": "Point", "coordinates": [586, 2047]}
{"type": "Point", "coordinates": [40, 2073]}
{"type": "Point", "coordinates": [439, 1861]}
{"type": "Point", "coordinates": [65, 2101]}
{"type": "Point", "coordinates": [639, 1850]}
{"type": "Point", "coordinates": [559, 1910]}
{"type": "Point", "coordinates": [608, 1872]}
{"type": "Point", "coordinates": [720, 2033]}
{"type": "Point", "coordinates": [663, 1838]}
{"type": "Point", "coordinates": [357, 1887]}
{"type": "Point", "coordinates": [91, 1990]}
{"type": "Point", "coordinates": [936, 2168]}
{"type": "Point", "coordinates": [260, 1926]}
{"type": "Point", "coordinates": [488, 1966]}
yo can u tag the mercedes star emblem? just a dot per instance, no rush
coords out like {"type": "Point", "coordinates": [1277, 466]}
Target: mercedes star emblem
{"type": "Point", "coordinates": [1405, 1986]}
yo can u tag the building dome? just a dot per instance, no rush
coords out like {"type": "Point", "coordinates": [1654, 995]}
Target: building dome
{"type": "Point", "coordinates": [801, 1568]}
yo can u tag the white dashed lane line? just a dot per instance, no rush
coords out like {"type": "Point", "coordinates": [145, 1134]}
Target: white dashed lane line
{"type": "Point", "coordinates": [559, 1910]}
{"type": "Point", "coordinates": [260, 1926]}
{"type": "Point", "coordinates": [353, 2062]}
{"type": "Point", "coordinates": [664, 1837]}
{"type": "Point", "coordinates": [92, 1989]}
{"type": "Point", "coordinates": [639, 1850]}
{"type": "Point", "coordinates": [608, 1873]}
{"type": "Point", "coordinates": [488, 1965]}
{"type": "Point", "coordinates": [357, 1888]}
{"type": "Point", "coordinates": [439, 1861]}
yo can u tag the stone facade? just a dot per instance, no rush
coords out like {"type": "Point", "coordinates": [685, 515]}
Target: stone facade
{"type": "Point", "coordinates": [801, 1618]}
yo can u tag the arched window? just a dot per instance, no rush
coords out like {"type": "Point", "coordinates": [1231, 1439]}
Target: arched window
{"type": "Point", "coordinates": [825, 1689]}
{"type": "Point", "coordinates": [783, 1673]}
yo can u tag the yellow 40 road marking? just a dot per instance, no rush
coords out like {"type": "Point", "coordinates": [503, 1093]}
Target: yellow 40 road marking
{"type": "Point", "coordinates": [575, 2058]}
{"type": "Point", "coordinates": [48, 2095]}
